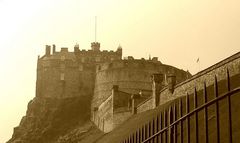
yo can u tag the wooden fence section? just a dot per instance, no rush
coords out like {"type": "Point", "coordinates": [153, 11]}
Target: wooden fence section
{"type": "Point", "coordinates": [199, 123]}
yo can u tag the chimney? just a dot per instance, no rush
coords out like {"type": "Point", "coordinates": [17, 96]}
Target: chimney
{"type": "Point", "coordinates": [157, 80]}
{"type": "Point", "coordinates": [76, 48]}
{"type": "Point", "coordinates": [134, 98]}
{"type": "Point", "coordinates": [115, 88]}
{"type": "Point", "coordinates": [95, 46]}
{"type": "Point", "coordinates": [53, 48]}
{"type": "Point", "coordinates": [171, 79]}
{"type": "Point", "coordinates": [48, 50]}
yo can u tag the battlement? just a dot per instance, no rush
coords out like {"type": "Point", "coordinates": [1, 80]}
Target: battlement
{"type": "Point", "coordinates": [130, 62]}
{"type": "Point", "coordinates": [77, 49]}
{"type": "Point", "coordinates": [93, 55]}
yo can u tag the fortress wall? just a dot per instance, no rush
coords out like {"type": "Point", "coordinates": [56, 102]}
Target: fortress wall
{"type": "Point", "coordinates": [121, 100]}
{"type": "Point", "coordinates": [112, 112]}
{"type": "Point", "coordinates": [131, 76]}
{"type": "Point", "coordinates": [120, 117]}
{"type": "Point", "coordinates": [146, 105]}
{"type": "Point", "coordinates": [232, 63]}
{"type": "Point", "coordinates": [62, 79]}
{"type": "Point", "coordinates": [104, 115]}
{"type": "Point", "coordinates": [128, 80]}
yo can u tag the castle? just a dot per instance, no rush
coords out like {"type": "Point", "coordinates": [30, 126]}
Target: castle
{"type": "Point", "coordinates": [98, 96]}
{"type": "Point", "coordinates": [119, 87]}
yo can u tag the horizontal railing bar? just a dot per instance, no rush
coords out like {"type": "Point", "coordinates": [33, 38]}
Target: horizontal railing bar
{"type": "Point", "coordinates": [236, 90]}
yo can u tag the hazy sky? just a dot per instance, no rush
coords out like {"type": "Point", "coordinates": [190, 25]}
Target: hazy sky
{"type": "Point", "coordinates": [176, 31]}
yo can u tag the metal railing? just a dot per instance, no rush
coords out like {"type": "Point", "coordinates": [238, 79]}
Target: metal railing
{"type": "Point", "coordinates": [172, 126]}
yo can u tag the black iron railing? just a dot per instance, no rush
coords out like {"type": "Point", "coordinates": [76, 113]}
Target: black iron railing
{"type": "Point", "coordinates": [172, 126]}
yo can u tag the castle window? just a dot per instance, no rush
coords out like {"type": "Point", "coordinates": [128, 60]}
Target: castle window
{"type": "Point", "coordinates": [62, 58]}
{"type": "Point", "coordinates": [62, 76]}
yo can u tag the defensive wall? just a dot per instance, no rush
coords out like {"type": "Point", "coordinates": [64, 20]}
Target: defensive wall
{"type": "Point", "coordinates": [114, 110]}
{"type": "Point", "coordinates": [218, 70]}
{"type": "Point", "coordinates": [132, 76]}
{"type": "Point", "coordinates": [133, 81]}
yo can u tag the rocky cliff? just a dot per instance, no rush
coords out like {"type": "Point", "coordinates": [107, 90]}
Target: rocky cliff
{"type": "Point", "coordinates": [51, 120]}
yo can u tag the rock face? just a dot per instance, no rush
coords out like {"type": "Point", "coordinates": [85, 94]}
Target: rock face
{"type": "Point", "coordinates": [50, 120]}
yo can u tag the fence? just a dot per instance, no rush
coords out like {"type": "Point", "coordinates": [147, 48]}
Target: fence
{"type": "Point", "coordinates": [173, 124]}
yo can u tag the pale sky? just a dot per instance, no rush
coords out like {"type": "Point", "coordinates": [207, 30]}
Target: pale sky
{"type": "Point", "coordinates": [176, 31]}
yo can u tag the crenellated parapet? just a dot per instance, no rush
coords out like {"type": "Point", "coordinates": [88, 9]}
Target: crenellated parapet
{"type": "Point", "coordinates": [93, 55]}
{"type": "Point", "coordinates": [64, 73]}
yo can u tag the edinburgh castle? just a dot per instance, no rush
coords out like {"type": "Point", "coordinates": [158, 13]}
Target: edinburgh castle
{"type": "Point", "coordinates": [96, 95]}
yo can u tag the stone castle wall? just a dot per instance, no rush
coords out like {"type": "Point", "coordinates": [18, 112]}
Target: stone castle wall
{"type": "Point", "coordinates": [64, 79]}
{"type": "Point", "coordinates": [232, 64]}
{"type": "Point", "coordinates": [68, 74]}
{"type": "Point", "coordinates": [131, 76]}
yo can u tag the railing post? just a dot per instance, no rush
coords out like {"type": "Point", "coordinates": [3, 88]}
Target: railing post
{"type": "Point", "coordinates": [187, 119]}
{"type": "Point", "coordinates": [196, 114]}
{"type": "Point", "coordinates": [170, 129]}
{"type": "Point", "coordinates": [142, 136]}
{"type": "Point", "coordinates": [181, 123]}
{"type": "Point", "coordinates": [229, 109]}
{"type": "Point", "coordinates": [166, 124]}
{"type": "Point", "coordinates": [149, 131]}
{"type": "Point", "coordinates": [146, 132]}
{"type": "Point", "coordinates": [161, 127]}
{"type": "Point", "coordinates": [175, 126]}
{"type": "Point", "coordinates": [157, 128]}
{"type": "Point", "coordinates": [205, 111]}
{"type": "Point", "coordinates": [153, 130]}
{"type": "Point", "coordinates": [136, 136]}
{"type": "Point", "coordinates": [217, 108]}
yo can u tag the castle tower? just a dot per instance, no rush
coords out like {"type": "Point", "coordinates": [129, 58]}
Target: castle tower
{"type": "Point", "coordinates": [95, 46]}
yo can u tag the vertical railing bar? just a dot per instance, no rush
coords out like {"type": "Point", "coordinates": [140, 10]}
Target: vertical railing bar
{"type": "Point", "coordinates": [161, 127]}
{"type": "Point", "coordinates": [165, 122]}
{"type": "Point", "coordinates": [149, 131]}
{"type": "Point", "coordinates": [229, 108]}
{"type": "Point", "coordinates": [132, 138]}
{"type": "Point", "coordinates": [174, 119]}
{"type": "Point", "coordinates": [136, 136]}
{"type": "Point", "coordinates": [143, 133]}
{"type": "Point", "coordinates": [146, 132]}
{"type": "Point", "coordinates": [157, 129]}
{"type": "Point", "coordinates": [174, 126]}
{"type": "Point", "coordinates": [187, 119]}
{"type": "Point", "coordinates": [217, 109]}
{"type": "Point", "coordinates": [129, 139]}
{"type": "Point", "coordinates": [153, 130]}
{"type": "Point", "coordinates": [205, 111]}
{"type": "Point", "coordinates": [140, 135]}
{"type": "Point", "coordinates": [169, 123]}
{"type": "Point", "coordinates": [181, 123]}
{"type": "Point", "coordinates": [196, 114]}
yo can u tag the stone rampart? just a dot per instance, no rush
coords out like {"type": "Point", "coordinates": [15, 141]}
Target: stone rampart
{"type": "Point", "coordinates": [131, 76]}
{"type": "Point", "coordinates": [232, 64]}
{"type": "Point", "coordinates": [145, 105]}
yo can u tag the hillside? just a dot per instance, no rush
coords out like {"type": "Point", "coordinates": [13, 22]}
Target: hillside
{"type": "Point", "coordinates": [50, 120]}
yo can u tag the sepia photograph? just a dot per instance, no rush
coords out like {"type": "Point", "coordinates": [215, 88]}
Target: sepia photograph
{"type": "Point", "coordinates": [119, 71]}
